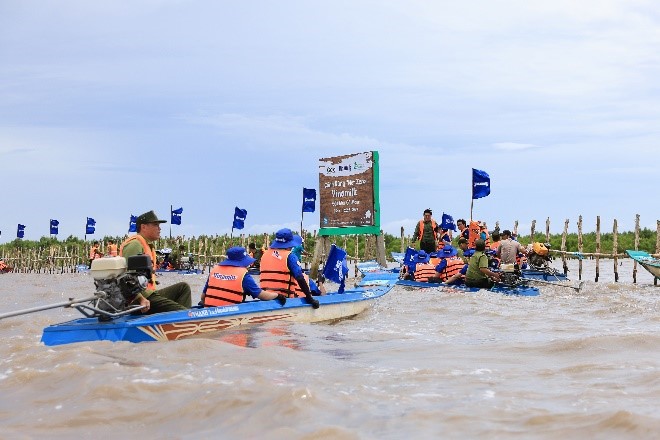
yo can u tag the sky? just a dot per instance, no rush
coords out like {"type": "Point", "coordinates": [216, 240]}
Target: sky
{"type": "Point", "coordinates": [113, 108]}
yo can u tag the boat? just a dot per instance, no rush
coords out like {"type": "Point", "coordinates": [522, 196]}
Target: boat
{"type": "Point", "coordinates": [170, 326]}
{"type": "Point", "coordinates": [647, 261]}
{"type": "Point", "coordinates": [372, 266]}
{"type": "Point", "coordinates": [519, 290]}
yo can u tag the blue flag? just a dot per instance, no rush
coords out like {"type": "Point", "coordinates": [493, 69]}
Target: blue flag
{"type": "Point", "coordinates": [132, 224]}
{"type": "Point", "coordinates": [89, 227]}
{"type": "Point", "coordinates": [480, 184]}
{"type": "Point", "coordinates": [448, 222]}
{"type": "Point", "coordinates": [336, 267]}
{"type": "Point", "coordinates": [239, 218]}
{"type": "Point", "coordinates": [309, 200]}
{"type": "Point", "coordinates": [176, 216]}
{"type": "Point", "coordinates": [53, 226]}
{"type": "Point", "coordinates": [20, 231]}
{"type": "Point", "coordinates": [410, 259]}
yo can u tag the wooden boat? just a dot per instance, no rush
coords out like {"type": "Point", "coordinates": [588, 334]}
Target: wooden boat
{"type": "Point", "coordinates": [647, 261]}
{"type": "Point", "coordinates": [200, 321]}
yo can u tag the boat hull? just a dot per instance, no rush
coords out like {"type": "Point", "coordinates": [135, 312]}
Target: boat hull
{"type": "Point", "coordinates": [645, 260]}
{"type": "Point", "coordinates": [199, 321]}
{"type": "Point", "coordinates": [520, 291]}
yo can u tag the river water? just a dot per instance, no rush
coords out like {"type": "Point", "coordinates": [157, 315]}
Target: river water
{"type": "Point", "coordinates": [422, 364]}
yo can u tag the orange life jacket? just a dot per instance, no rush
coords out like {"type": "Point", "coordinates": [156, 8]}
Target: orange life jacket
{"type": "Point", "coordinates": [2, 265]}
{"type": "Point", "coordinates": [454, 265]}
{"type": "Point", "coordinates": [94, 253]}
{"type": "Point", "coordinates": [112, 250]}
{"type": "Point", "coordinates": [276, 276]}
{"type": "Point", "coordinates": [424, 271]}
{"type": "Point", "coordinates": [225, 286]}
{"type": "Point", "coordinates": [147, 250]}
{"type": "Point", "coordinates": [421, 229]}
{"type": "Point", "coordinates": [474, 233]}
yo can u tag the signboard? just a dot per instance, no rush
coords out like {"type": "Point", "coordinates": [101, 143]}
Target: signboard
{"type": "Point", "coordinates": [348, 194]}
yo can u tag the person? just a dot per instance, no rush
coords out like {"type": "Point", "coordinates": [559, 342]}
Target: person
{"type": "Point", "coordinates": [299, 251]}
{"type": "Point", "coordinates": [425, 232]}
{"type": "Point", "coordinates": [256, 254]}
{"type": "Point", "coordinates": [171, 298]}
{"type": "Point", "coordinates": [478, 274]}
{"type": "Point", "coordinates": [281, 271]}
{"type": "Point", "coordinates": [94, 253]}
{"type": "Point", "coordinates": [424, 270]}
{"type": "Point", "coordinates": [484, 234]}
{"type": "Point", "coordinates": [508, 250]}
{"type": "Point", "coordinates": [462, 247]}
{"type": "Point", "coordinates": [230, 283]}
{"type": "Point", "coordinates": [112, 248]}
{"type": "Point", "coordinates": [496, 240]}
{"type": "Point", "coordinates": [464, 232]}
{"type": "Point", "coordinates": [450, 264]}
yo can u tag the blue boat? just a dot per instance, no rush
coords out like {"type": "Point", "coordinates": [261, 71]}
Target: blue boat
{"type": "Point", "coordinates": [198, 321]}
{"type": "Point", "coordinates": [647, 261]}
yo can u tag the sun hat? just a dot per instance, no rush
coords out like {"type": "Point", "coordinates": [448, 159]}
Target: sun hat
{"type": "Point", "coordinates": [447, 251]}
{"type": "Point", "coordinates": [237, 256]}
{"type": "Point", "coordinates": [285, 239]}
{"type": "Point", "coordinates": [422, 257]}
{"type": "Point", "coordinates": [148, 217]}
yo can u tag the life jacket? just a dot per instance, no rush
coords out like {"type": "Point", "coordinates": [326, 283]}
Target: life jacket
{"type": "Point", "coordinates": [434, 225]}
{"type": "Point", "coordinates": [434, 261]}
{"type": "Point", "coordinates": [424, 271]}
{"type": "Point", "coordinates": [147, 250]}
{"type": "Point", "coordinates": [2, 265]}
{"type": "Point", "coordinates": [112, 250]}
{"type": "Point", "coordinates": [276, 276]}
{"type": "Point", "coordinates": [540, 249]}
{"type": "Point", "coordinates": [454, 265]}
{"type": "Point", "coordinates": [94, 253]}
{"type": "Point", "coordinates": [521, 261]}
{"type": "Point", "coordinates": [225, 286]}
{"type": "Point", "coordinates": [474, 233]}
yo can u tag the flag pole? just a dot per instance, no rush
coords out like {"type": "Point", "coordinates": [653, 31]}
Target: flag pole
{"type": "Point", "coordinates": [471, 206]}
{"type": "Point", "coordinates": [85, 230]}
{"type": "Point", "coordinates": [171, 222]}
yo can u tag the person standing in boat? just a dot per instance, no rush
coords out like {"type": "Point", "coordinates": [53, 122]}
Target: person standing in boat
{"type": "Point", "coordinates": [478, 273]}
{"type": "Point", "coordinates": [94, 252]}
{"type": "Point", "coordinates": [425, 232]}
{"type": "Point", "coordinates": [508, 249]}
{"type": "Point", "coordinates": [281, 271]}
{"type": "Point", "coordinates": [464, 232]}
{"type": "Point", "coordinates": [168, 299]}
{"type": "Point", "coordinates": [229, 282]}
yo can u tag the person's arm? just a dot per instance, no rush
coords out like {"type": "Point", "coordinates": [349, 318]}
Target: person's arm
{"type": "Point", "coordinates": [486, 271]}
{"type": "Point", "coordinates": [416, 234]}
{"type": "Point", "coordinates": [297, 273]}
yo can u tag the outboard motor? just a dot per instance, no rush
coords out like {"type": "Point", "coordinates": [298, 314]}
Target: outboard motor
{"type": "Point", "coordinates": [187, 263]}
{"type": "Point", "coordinates": [539, 257]}
{"type": "Point", "coordinates": [511, 274]}
{"type": "Point", "coordinates": [118, 281]}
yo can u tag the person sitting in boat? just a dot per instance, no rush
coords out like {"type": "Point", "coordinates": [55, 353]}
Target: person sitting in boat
{"type": "Point", "coordinates": [425, 232]}
{"type": "Point", "coordinates": [281, 271]}
{"type": "Point", "coordinates": [462, 248]}
{"type": "Point", "coordinates": [478, 273]}
{"type": "Point", "coordinates": [461, 224]}
{"type": "Point", "coordinates": [4, 268]}
{"type": "Point", "coordinates": [256, 254]}
{"type": "Point", "coordinates": [112, 248]}
{"type": "Point", "coordinates": [168, 299]}
{"type": "Point", "coordinates": [424, 270]}
{"type": "Point", "coordinates": [448, 270]}
{"type": "Point", "coordinates": [230, 283]}
{"type": "Point", "coordinates": [509, 249]}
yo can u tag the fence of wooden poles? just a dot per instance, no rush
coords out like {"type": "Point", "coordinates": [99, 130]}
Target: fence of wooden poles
{"type": "Point", "coordinates": [208, 251]}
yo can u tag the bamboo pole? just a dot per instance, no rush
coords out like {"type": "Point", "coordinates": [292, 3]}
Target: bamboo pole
{"type": "Point", "coordinates": [657, 245]}
{"type": "Point", "coordinates": [547, 230]}
{"type": "Point", "coordinates": [563, 247]}
{"type": "Point", "coordinates": [580, 247]}
{"type": "Point", "coordinates": [597, 246]}
{"type": "Point", "coordinates": [403, 249]}
{"type": "Point", "coordinates": [636, 248]}
{"type": "Point", "coordinates": [531, 234]}
{"type": "Point", "coordinates": [515, 229]}
{"type": "Point", "coordinates": [615, 250]}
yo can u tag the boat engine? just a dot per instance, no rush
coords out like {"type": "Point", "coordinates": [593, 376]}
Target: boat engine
{"type": "Point", "coordinates": [511, 274]}
{"type": "Point", "coordinates": [118, 281]}
{"type": "Point", "coordinates": [187, 263]}
{"type": "Point", "coordinates": [539, 257]}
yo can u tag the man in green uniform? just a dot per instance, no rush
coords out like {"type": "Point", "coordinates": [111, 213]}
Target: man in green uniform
{"type": "Point", "coordinates": [171, 298]}
{"type": "Point", "coordinates": [425, 233]}
{"type": "Point", "coordinates": [478, 274]}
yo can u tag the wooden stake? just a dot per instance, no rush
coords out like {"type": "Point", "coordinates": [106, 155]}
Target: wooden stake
{"type": "Point", "coordinates": [615, 251]}
{"type": "Point", "coordinates": [597, 246]}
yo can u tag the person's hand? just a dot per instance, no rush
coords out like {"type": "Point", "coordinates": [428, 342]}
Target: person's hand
{"type": "Point", "coordinates": [313, 301]}
{"type": "Point", "coordinates": [280, 299]}
{"type": "Point", "coordinates": [145, 303]}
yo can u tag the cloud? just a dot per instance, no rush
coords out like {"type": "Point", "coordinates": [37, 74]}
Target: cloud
{"type": "Point", "coordinates": [513, 146]}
